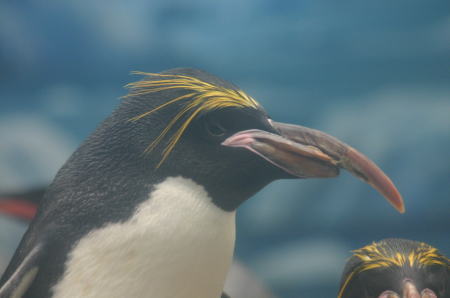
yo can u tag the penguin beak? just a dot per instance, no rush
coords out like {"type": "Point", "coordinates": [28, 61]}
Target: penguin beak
{"type": "Point", "coordinates": [409, 291]}
{"type": "Point", "coordinates": [305, 153]}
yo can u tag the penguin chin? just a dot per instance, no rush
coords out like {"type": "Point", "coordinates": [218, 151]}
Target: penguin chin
{"type": "Point", "coordinates": [308, 153]}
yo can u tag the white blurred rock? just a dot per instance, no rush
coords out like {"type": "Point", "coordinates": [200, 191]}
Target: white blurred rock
{"type": "Point", "coordinates": [242, 283]}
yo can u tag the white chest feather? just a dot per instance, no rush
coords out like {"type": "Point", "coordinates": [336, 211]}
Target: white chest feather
{"type": "Point", "coordinates": [178, 244]}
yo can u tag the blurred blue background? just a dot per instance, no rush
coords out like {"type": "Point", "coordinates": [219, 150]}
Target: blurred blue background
{"type": "Point", "coordinates": [373, 73]}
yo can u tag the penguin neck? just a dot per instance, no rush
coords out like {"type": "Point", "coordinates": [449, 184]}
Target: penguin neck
{"type": "Point", "coordinates": [177, 243]}
{"type": "Point", "coordinates": [228, 189]}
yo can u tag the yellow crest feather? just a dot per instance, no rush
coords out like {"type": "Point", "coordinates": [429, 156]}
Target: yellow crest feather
{"type": "Point", "coordinates": [377, 255]}
{"type": "Point", "coordinates": [201, 97]}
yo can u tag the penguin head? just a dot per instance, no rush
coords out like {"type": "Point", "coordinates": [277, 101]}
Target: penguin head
{"type": "Point", "coordinates": [394, 268]}
{"type": "Point", "coordinates": [178, 121]}
{"type": "Point", "coordinates": [189, 123]}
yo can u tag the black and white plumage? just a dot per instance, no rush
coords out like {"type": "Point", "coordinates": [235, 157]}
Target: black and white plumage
{"type": "Point", "coordinates": [145, 207]}
{"type": "Point", "coordinates": [394, 268]}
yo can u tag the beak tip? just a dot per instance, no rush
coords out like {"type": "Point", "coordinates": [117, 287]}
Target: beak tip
{"type": "Point", "coordinates": [374, 176]}
{"type": "Point", "coordinates": [401, 208]}
{"type": "Point", "coordinates": [395, 198]}
{"type": "Point", "coordinates": [396, 201]}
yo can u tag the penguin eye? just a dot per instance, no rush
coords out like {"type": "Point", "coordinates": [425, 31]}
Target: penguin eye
{"type": "Point", "coordinates": [214, 128]}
